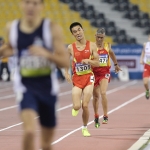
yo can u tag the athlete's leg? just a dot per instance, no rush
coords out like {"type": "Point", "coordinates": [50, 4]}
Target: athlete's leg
{"type": "Point", "coordinates": [146, 81]}
{"type": "Point", "coordinates": [96, 97]}
{"type": "Point", "coordinates": [103, 89]}
{"type": "Point", "coordinates": [87, 94]}
{"type": "Point", "coordinates": [146, 75]}
{"type": "Point", "coordinates": [146, 85]}
{"type": "Point", "coordinates": [48, 119]}
{"type": "Point", "coordinates": [76, 97]}
{"type": "Point", "coordinates": [29, 124]}
{"type": "Point", "coordinates": [47, 135]}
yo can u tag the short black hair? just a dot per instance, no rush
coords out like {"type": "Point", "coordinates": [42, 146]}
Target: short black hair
{"type": "Point", "coordinates": [75, 24]}
{"type": "Point", "coordinates": [100, 31]}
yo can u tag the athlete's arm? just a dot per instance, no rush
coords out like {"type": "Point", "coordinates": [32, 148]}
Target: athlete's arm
{"type": "Point", "coordinates": [142, 55]}
{"type": "Point", "coordinates": [113, 57]}
{"type": "Point", "coordinates": [67, 75]}
{"type": "Point", "coordinates": [59, 56]}
{"type": "Point", "coordinates": [95, 61]}
{"type": "Point", "coordinates": [6, 49]}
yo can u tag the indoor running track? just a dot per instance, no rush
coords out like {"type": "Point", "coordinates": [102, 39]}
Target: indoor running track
{"type": "Point", "coordinates": [129, 118]}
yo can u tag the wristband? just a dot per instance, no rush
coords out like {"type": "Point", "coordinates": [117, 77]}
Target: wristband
{"type": "Point", "coordinates": [115, 64]}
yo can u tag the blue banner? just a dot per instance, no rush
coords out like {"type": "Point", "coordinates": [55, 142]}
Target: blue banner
{"type": "Point", "coordinates": [129, 55]}
{"type": "Point", "coordinates": [127, 49]}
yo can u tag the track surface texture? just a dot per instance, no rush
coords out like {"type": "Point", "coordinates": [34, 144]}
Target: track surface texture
{"type": "Point", "coordinates": [129, 118]}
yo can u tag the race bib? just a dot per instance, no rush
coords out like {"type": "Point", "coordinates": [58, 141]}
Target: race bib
{"type": "Point", "coordinates": [82, 69]}
{"type": "Point", "coordinates": [34, 66]}
{"type": "Point", "coordinates": [148, 60]}
{"type": "Point", "coordinates": [103, 59]}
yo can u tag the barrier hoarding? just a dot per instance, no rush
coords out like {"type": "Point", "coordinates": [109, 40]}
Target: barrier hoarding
{"type": "Point", "coordinates": [129, 55]}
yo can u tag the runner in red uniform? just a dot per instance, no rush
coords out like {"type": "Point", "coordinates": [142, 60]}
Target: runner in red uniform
{"type": "Point", "coordinates": [82, 74]}
{"type": "Point", "coordinates": [102, 75]}
{"type": "Point", "coordinates": [82, 52]}
{"type": "Point", "coordinates": [145, 60]}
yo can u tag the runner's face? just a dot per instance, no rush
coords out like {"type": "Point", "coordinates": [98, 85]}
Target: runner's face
{"type": "Point", "coordinates": [100, 38]}
{"type": "Point", "coordinates": [31, 8]}
{"type": "Point", "coordinates": [78, 33]}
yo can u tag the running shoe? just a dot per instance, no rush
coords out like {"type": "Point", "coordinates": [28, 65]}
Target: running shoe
{"type": "Point", "coordinates": [147, 94]}
{"type": "Point", "coordinates": [75, 112]}
{"type": "Point", "coordinates": [85, 132]}
{"type": "Point", "coordinates": [97, 123]}
{"type": "Point", "coordinates": [105, 119]}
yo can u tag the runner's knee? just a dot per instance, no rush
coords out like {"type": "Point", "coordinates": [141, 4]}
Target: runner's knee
{"type": "Point", "coordinates": [85, 105]}
{"type": "Point", "coordinates": [145, 82]}
{"type": "Point", "coordinates": [96, 97]}
{"type": "Point", "coordinates": [29, 133]}
{"type": "Point", "coordinates": [103, 93]}
{"type": "Point", "coordinates": [76, 107]}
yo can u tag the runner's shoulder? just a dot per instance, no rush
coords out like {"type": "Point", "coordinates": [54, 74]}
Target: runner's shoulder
{"type": "Point", "coordinates": [93, 46]}
{"type": "Point", "coordinates": [69, 46]}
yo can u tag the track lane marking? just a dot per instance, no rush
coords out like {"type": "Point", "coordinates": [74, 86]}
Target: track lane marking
{"type": "Point", "coordinates": [70, 105]}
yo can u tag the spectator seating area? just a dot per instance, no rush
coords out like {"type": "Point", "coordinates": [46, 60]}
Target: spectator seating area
{"type": "Point", "coordinates": [136, 10]}
{"type": "Point", "coordinates": [98, 20]}
{"type": "Point", "coordinates": [54, 9]}
{"type": "Point", "coordinates": [67, 11]}
{"type": "Point", "coordinates": [144, 5]}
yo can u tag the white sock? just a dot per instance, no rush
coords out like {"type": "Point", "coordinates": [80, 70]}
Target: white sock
{"type": "Point", "coordinates": [84, 127]}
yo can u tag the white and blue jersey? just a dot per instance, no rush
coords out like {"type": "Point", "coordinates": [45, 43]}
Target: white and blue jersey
{"type": "Point", "coordinates": [35, 76]}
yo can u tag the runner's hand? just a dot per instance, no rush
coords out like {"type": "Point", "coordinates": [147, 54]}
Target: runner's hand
{"type": "Point", "coordinates": [67, 77]}
{"type": "Point", "coordinates": [85, 61]}
{"type": "Point", "coordinates": [38, 51]}
{"type": "Point", "coordinates": [117, 69]}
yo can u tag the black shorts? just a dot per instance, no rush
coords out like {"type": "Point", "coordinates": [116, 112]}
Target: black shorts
{"type": "Point", "coordinates": [44, 105]}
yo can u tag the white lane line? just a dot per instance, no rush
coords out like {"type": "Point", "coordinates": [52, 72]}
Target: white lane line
{"type": "Point", "coordinates": [113, 110]}
{"type": "Point", "coordinates": [69, 92]}
{"type": "Point", "coordinates": [13, 95]}
{"type": "Point", "coordinates": [8, 96]}
{"type": "Point", "coordinates": [10, 87]}
{"type": "Point", "coordinates": [65, 107]}
{"type": "Point", "coordinates": [35, 118]}
{"type": "Point", "coordinates": [6, 108]}
{"type": "Point", "coordinates": [11, 126]}
{"type": "Point", "coordinates": [63, 84]}
{"type": "Point", "coordinates": [122, 87]}
{"type": "Point", "coordinates": [141, 141]}
{"type": "Point", "coordinates": [5, 85]}
{"type": "Point", "coordinates": [65, 93]}
{"type": "Point", "coordinates": [6, 89]}
{"type": "Point", "coordinates": [14, 106]}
